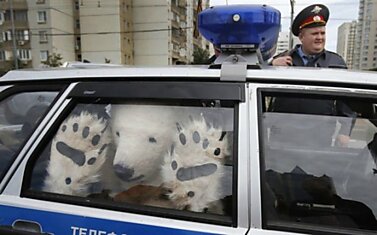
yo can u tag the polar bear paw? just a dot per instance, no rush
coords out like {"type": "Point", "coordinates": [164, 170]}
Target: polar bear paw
{"type": "Point", "coordinates": [78, 152]}
{"type": "Point", "coordinates": [193, 169]}
{"type": "Point", "coordinates": [198, 135]}
{"type": "Point", "coordinates": [83, 141]}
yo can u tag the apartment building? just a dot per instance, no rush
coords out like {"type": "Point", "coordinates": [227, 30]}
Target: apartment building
{"type": "Point", "coordinates": [346, 42]}
{"type": "Point", "coordinates": [365, 56]}
{"type": "Point", "coordinates": [153, 32]}
{"type": "Point", "coordinates": [34, 30]}
{"type": "Point", "coordinates": [104, 31]}
{"type": "Point", "coordinates": [167, 35]}
{"type": "Point", "coordinates": [14, 35]}
{"type": "Point", "coordinates": [139, 32]}
{"type": "Point", "coordinates": [51, 29]}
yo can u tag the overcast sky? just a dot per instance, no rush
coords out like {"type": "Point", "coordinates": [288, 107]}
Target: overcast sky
{"type": "Point", "coordinates": [340, 11]}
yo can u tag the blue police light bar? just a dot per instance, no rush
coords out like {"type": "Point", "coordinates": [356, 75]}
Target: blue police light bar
{"type": "Point", "coordinates": [242, 26]}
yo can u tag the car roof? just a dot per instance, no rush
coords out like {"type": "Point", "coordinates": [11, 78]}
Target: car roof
{"type": "Point", "coordinates": [267, 74]}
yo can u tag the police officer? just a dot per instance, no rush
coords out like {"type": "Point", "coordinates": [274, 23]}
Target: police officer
{"type": "Point", "coordinates": [310, 27]}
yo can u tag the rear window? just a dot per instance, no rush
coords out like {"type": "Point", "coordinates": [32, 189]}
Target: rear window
{"type": "Point", "coordinates": [169, 159]}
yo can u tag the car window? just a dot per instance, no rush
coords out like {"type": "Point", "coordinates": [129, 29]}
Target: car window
{"type": "Point", "coordinates": [19, 114]}
{"type": "Point", "coordinates": [319, 163]}
{"type": "Point", "coordinates": [136, 155]}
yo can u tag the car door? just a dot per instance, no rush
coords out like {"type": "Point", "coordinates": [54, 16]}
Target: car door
{"type": "Point", "coordinates": [317, 165]}
{"type": "Point", "coordinates": [135, 158]}
{"type": "Point", "coordinates": [23, 106]}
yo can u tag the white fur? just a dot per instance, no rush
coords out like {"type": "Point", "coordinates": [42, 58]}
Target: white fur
{"type": "Point", "coordinates": [61, 167]}
{"type": "Point", "coordinates": [133, 126]}
{"type": "Point", "coordinates": [206, 188]}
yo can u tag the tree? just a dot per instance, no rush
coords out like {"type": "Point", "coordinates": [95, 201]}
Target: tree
{"type": "Point", "coordinates": [201, 56]}
{"type": "Point", "coordinates": [53, 60]}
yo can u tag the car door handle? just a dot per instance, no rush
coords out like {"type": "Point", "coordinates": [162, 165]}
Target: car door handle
{"type": "Point", "coordinates": [23, 227]}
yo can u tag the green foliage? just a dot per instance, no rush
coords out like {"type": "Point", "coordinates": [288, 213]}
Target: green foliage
{"type": "Point", "coordinates": [54, 60]}
{"type": "Point", "coordinates": [201, 56]}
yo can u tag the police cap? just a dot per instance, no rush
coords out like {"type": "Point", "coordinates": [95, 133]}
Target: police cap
{"type": "Point", "coordinates": [312, 16]}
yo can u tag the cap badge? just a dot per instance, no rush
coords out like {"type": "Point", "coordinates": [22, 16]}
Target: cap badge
{"type": "Point", "coordinates": [316, 9]}
{"type": "Point", "coordinates": [316, 18]}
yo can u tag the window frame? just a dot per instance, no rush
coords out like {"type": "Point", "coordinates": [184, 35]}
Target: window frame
{"type": "Point", "coordinates": [305, 91]}
{"type": "Point", "coordinates": [163, 93]}
{"type": "Point", "coordinates": [41, 17]}
{"type": "Point", "coordinates": [43, 38]}
{"type": "Point", "coordinates": [43, 55]}
{"type": "Point", "coordinates": [21, 15]}
{"type": "Point", "coordinates": [24, 54]}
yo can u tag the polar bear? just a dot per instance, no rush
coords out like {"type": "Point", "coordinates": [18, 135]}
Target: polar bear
{"type": "Point", "coordinates": [193, 168]}
{"type": "Point", "coordinates": [79, 152]}
{"type": "Point", "coordinates": [116, 153]}
{"type": "Point", "coordinates": [142, 134]}
{"type": "Point", "coordinates": [133, 148]}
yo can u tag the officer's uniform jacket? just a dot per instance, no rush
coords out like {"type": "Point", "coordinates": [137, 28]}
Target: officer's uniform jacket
{"type": "Point", "coordinates": [326, 59]}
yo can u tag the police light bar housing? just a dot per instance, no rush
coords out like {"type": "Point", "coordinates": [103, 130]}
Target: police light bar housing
{"type": "Point", "coordinates": [241, 26]}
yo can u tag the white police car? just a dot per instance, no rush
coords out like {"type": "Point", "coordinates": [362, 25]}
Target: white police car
{"type": "Point", "coordinates": [191, 150]}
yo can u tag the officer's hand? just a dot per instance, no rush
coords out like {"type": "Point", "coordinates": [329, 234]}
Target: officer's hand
{"type": "Point", "coordinates": [282, 61]}
{"type": "Point", "coordinates": [342, 140]}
